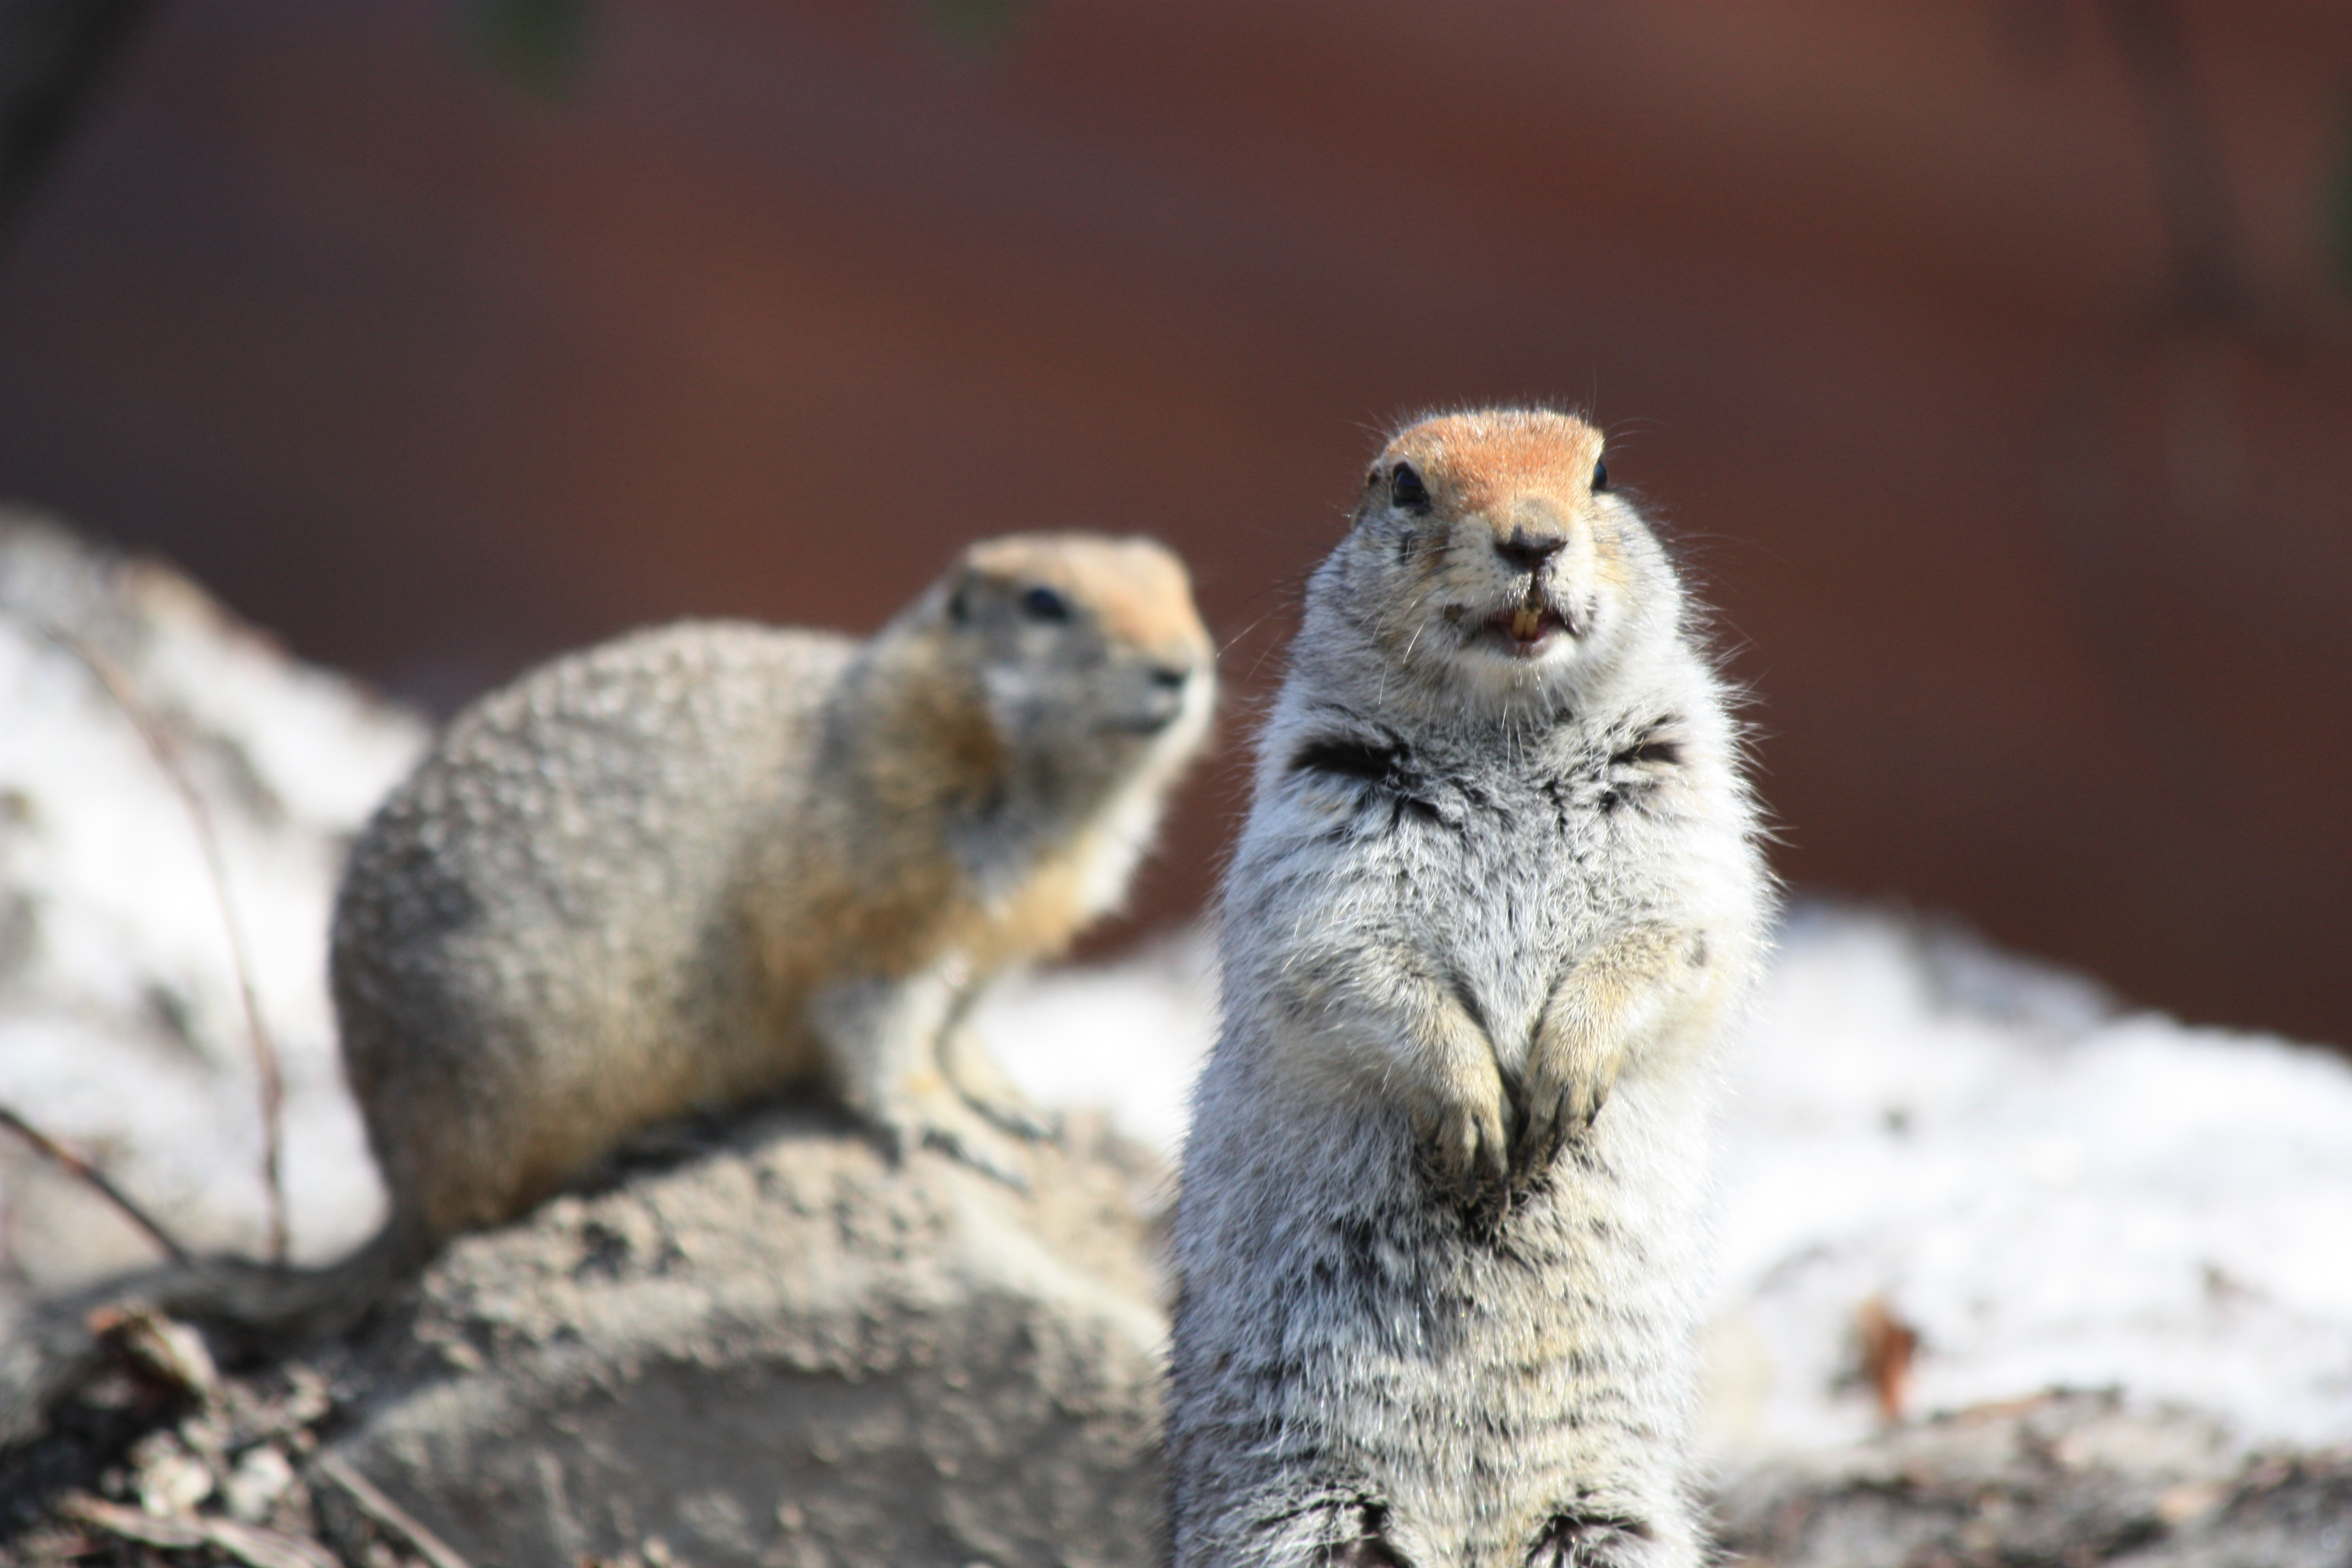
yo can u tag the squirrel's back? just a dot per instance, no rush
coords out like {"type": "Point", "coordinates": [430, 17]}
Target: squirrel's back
{"type": "Point", "coordinates": [600, 801]}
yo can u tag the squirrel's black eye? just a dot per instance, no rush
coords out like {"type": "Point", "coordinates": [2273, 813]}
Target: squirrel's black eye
{"type": "Point", "coordinates": [1600, 475]}
{"type": "Point", "coordinates": [1405, 490]}
{"type": "Point", "coordinates": [1042, 604]}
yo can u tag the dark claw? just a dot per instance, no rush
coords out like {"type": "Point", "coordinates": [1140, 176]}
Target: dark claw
{"type": "Point", "coordinates": [1538, 1145]}
{"type": "Point", "coordinates": [1579, 1540]}
{"type": "Point", "coordinates": [963, 1155]}
{"type": "Point", "coordinates": [1025, 1122]}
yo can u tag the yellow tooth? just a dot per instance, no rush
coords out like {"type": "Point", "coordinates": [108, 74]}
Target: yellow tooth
{"type": "Point", "coordinates": [1527, 622]}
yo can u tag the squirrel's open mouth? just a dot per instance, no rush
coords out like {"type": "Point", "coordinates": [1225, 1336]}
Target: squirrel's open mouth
{"type": "Point", "coordinates": [1525, 628]}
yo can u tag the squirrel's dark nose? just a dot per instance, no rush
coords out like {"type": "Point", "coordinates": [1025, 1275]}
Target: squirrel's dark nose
{"type": "Point", "coordinates": [1162, 700]}
{"type": "Point", "coordinates": [1529, 551]}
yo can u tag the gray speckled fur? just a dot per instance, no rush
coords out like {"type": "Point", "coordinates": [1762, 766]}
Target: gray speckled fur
{"type": "Point", "coordinates": [1384, 1352]}
{"type": "Point", "coordinates": [522, 967]}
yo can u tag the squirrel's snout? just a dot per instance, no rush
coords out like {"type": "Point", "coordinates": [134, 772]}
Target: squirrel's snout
{"type": "Point", "coordinates": [1529, 551]}
{"type": "Point", "coordinates": [1165, 688]}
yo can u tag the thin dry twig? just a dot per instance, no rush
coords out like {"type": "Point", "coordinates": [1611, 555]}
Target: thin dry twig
{"type": "Point", "coordinates": [160, 744]}
{"type": "Point", "coordinates": [248, 1543]}
{"type": "Point", "coordinates": [81, 1168]}
{"type": "Point", "coordinates": [386, 1512]}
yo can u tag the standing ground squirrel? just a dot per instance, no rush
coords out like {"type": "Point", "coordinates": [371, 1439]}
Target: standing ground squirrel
{"type": "Point", "coordinates": [1441, 1234]}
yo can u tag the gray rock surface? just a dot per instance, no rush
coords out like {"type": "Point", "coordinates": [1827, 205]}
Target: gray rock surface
{"type": "Point", "coordinates": [2069, 1480]}
{"type": "Point", "coordinates": [784, 1351]}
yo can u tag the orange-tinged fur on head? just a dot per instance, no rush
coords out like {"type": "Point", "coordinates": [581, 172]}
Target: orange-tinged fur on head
{"type": "Point", "coordinates": [1141, 597]}
{"type": "Point", "coordinates": [1138, 590]}
{"type": "Point", "coordinates": [884, 892]}
{"type": "Point", "coordinates": [1494, 463]}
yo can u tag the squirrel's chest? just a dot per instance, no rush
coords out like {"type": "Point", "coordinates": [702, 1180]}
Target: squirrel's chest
{"type": "Point", "coordinates": [1502, 894]}
{"type": "Point", "coordinates": [1501, 870]}
{"type": "Point", "coordinates": [1513, 828]}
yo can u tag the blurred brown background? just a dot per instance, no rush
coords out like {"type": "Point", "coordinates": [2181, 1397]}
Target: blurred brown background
{"type": "Point", "coordinates": [1992, 362]}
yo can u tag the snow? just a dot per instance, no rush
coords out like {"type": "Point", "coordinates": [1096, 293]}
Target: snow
{"type": "Point", "coordinates": [1126, 1038]}
{"type": "Point", "coordinates": [2052, 1191]}
{"type": "Point", "coordinates": [120, 1025]}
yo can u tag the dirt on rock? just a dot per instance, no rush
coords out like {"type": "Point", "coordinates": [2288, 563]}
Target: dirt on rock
{"type": "Point", "coordinates": [2067, 1481]}
{"type": "Point", "coordinates": [790, 1352]}
{"type": "Point", "coordinates": [772, 1345]}
{"type": "Point", "coordinates": [784, 1349]}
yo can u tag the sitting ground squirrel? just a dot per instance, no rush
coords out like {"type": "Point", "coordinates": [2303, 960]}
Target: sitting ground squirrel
{"type": "Point", "coordinates": [709, 862]}
{"type": "Point", "coordinates": [1440, 1235]}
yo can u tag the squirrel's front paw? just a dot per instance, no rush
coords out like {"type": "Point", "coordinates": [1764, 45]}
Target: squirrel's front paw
{"type": "Point", "coordinates": [1011, 1111]}
{"type": "Point", "coordinates": [1567, 1081]}
{"type": "Point", "coordinates": [1458, 1119]}
{"type": "Point", "coordinates": [1584, 1539]}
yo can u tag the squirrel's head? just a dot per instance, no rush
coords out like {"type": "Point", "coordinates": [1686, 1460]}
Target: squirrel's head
{"type": "Point", "coordinates": [1490, 557]}
{"type": "Point", "coordinates": [1089, 649]}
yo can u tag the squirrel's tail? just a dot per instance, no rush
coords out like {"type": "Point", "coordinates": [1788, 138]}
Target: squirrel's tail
{"type": "Point", "coordinates": [246, 1310]}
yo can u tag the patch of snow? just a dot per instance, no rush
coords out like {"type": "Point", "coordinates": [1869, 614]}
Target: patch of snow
{"type": "Point", "coordinates": [120, 1025]}
{"type": "Point", "coordinates": [1126, 1038]}
{"type": "Point", "coordinates": [2051, 1195]}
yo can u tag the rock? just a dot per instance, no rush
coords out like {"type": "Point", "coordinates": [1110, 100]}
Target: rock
{"type": "Point", "coordinates": [2068, 1480]}
{"type": "Point", "coordinates": [783, 1352]}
